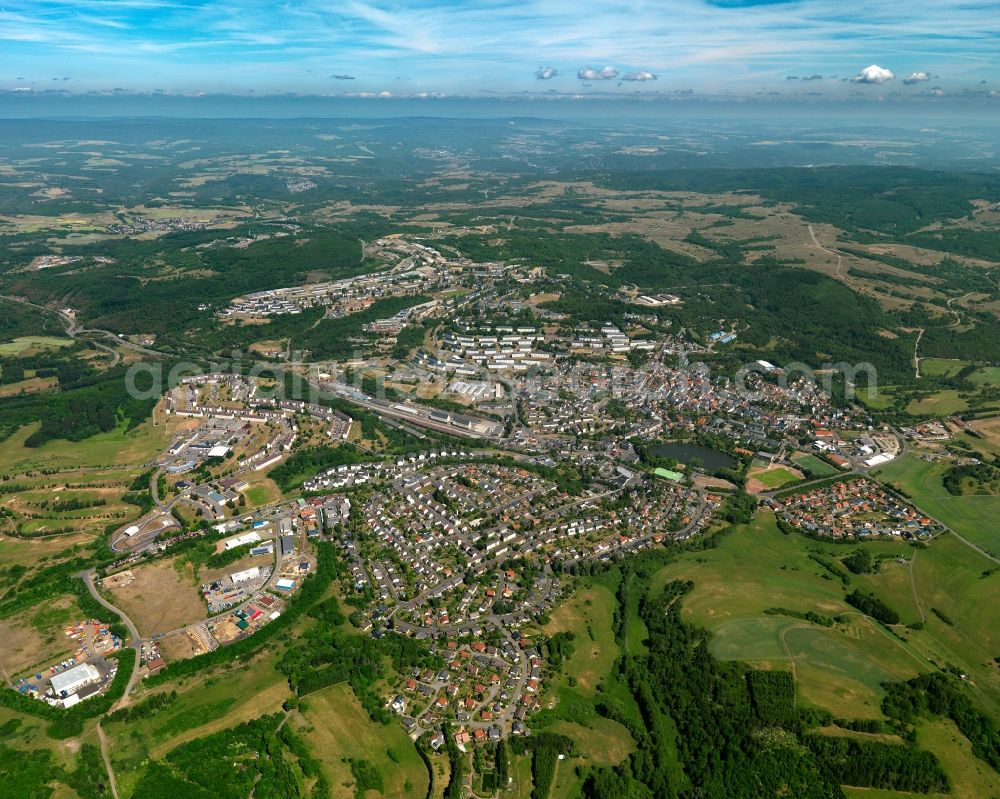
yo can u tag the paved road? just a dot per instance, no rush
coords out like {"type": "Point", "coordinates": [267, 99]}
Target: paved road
{"type": "Point", "coordinates": [88, 578]}
{"type": "Point", "coordinates": [73, 330]}
{"type": "Point", "coordinates": [154, 489]}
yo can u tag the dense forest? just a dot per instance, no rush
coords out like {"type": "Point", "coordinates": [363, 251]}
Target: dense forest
{"type": "Point", "coordinates": [87, 402]}
{"type": "Point", "coordinates": [711, 728]}
{"type": "Point", "coordinates": [132, 295]}
{"type": "Point", "coordinates": [260, 758]}
{"type": "Point", "coordinates": [886, 200]}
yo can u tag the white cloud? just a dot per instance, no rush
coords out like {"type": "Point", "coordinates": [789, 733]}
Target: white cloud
{"type": "Point", "coordinates": [588, 73]}
{"type": "Point", "coordinates": [546, 73]}
{"type": "Point", "coordinates": [916, 77]}
{"type": "Point", "coordinates": [873, 74]}
{"type": "Point", "coordinates": [641, 75]}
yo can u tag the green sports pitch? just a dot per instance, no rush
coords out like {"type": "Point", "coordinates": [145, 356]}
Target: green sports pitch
{"type": "Point", "coordinates": [813, 465]}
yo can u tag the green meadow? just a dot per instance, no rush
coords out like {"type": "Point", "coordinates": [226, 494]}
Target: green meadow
{"type": "Point", "coordinates": [973, 516]}
{"type": "Point", "coordinates": [840, 668]}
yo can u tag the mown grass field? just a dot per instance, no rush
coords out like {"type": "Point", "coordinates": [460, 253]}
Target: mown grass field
{"type": "Point", "coordinates": [987, 376]}
{"type": "Point", "coordinates": [842, 668]}
{"type": "Point", "coordinates": [119, 448]}
{"type": "Point", "coordinates": [970, 777]}
{"type": "Point", "coordinates": [813, 465]}
{"type": "Point", "coordinates": [775, 478]}
{"type": "Point", "coordinates": [973, 516]}
{"type": "Point", "coordinates": [938, 404]}
{"type": "Point", "coordinates": [585, 677]}
{"type": "Point", "coordinates": [29, 345]}
{"type": "Point", "coordinates": [587, 614]}
{"type": "Point", "coordinates": [838, 668]}
{"type": "Point", "coordinates": [941, 367]}
{"type": "Point", "coordinates": [99, 468]}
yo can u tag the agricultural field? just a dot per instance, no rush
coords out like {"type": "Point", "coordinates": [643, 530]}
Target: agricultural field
{"type": "Point", "coordinates": [30, 345]}
{"type": "Point", "coordinates": [972, 516]}
{"type": "Point", "coordinates": [987, 434]}
{"type": "Point", "coordinates": [838, 668]}
{"type": "Point", "coordinates": [30, 385]}
{"type": "Point", "coordinates": [338, 728]}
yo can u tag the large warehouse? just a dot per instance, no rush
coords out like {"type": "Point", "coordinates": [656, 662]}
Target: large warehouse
{"type": "Point", "coordinates": [72, 680]}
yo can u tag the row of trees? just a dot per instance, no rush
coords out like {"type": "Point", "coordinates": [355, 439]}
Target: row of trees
{"type": "Point", "coordinates": [871, 605]}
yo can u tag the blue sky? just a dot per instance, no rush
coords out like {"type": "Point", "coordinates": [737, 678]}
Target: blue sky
{"type": "Point", "coordinates": [412, 48]}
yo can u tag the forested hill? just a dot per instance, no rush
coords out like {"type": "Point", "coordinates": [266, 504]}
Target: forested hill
{"type": "Point", "coordinates": [887, 201]}
{"type": "Point", "coordinates": [720, 730]}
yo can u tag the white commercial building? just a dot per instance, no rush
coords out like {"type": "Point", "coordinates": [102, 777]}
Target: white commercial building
{"type": "Point", "coordinates": [241, 540]}
{"type": "Point", "coordinates": [246, 575]}
{"type": "Point", "coordinates": [72, 680]}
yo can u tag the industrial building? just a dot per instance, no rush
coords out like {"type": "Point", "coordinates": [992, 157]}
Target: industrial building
{"type": "Point", "coordinates": [246, 575]}
{"type": "Point", "coordinates": [72, 680]}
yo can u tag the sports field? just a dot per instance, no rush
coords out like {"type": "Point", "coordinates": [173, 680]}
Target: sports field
{"type": "Point", "coordinates": [813, 465]}
{"type": "Point", "coordinates": [777, 477]}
